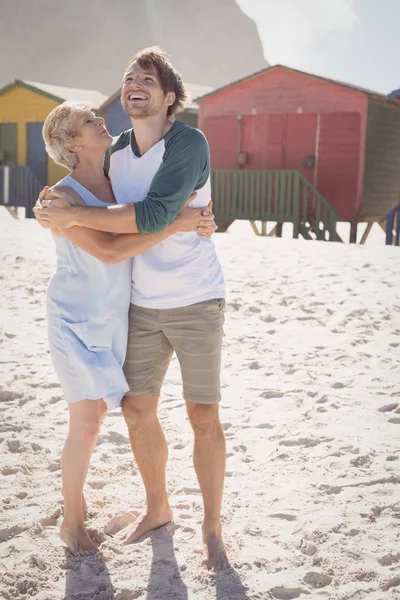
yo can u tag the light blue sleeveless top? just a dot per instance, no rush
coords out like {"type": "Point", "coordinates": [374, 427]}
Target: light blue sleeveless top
{"type": "Point", "coordinates": [87, 308]}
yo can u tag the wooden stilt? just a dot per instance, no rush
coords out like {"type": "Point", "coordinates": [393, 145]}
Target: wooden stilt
{"type": "Point", "coordinates": [272, 232]}
{"type": "Point", "coordinates": [13, 210]}
{"type": "Point", "coordinates": [263, 228]}
{"type": "Point", "coordinates": [254, 227]}
{"type": "Point", "coordinates": [366, 233]}
{"type": "Point", "coordinates": [279, 228]}
{"type": "Point", "coordinates": [353, 232]}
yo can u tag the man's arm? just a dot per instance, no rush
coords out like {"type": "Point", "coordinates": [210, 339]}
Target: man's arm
{"type": "Point", "coordinates": [185, 168]}
{"type": "Point", "coordinates": [56, 212]}
{"type": "Point", "coordinates": [115, 248]}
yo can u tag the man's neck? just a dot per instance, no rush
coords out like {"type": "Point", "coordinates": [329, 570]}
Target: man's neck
{"type": "Point", "coordinates": [148, 132]}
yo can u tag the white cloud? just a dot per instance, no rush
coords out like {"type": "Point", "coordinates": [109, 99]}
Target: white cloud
{"type": "Point", "coordinates": [290, 29]}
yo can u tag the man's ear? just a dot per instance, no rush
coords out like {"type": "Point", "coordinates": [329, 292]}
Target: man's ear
{"type": "Point", "coordinates": [171, 97]}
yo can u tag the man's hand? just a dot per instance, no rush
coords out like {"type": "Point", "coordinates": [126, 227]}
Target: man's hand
{"type": "Point", "coordinates": [195, 219]}
{"type": "Point", "coordinates": [56, 210]}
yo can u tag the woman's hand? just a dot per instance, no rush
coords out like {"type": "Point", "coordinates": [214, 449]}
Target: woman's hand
{"type": "Point", "coordinates": [200, 220]}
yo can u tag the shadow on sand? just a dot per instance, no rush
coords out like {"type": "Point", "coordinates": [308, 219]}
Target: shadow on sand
{"type": "Point", "coordinates": [228, 586]}
{"type": "Point", "coordinates": [165, 578]}
{"type": "Point", "coordinates": [87, 577]}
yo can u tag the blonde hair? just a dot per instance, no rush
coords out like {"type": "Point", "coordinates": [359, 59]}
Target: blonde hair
{"type": "Point", "coordinates": [59, 129]}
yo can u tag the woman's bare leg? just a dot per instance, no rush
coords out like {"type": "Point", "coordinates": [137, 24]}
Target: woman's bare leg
{"type": "Point", "coordinates": [84, 426]}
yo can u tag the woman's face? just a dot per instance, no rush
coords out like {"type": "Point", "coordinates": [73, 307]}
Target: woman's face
{"type": "Point", "coordinates": [91, 133]}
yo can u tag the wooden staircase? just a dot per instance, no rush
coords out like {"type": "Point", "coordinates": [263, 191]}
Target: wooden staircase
{"type": "Point", "coordinates": [278, 196]}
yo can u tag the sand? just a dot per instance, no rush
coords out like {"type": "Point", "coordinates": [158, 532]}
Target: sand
{"type": "Point", "coordinates": [311, 412]}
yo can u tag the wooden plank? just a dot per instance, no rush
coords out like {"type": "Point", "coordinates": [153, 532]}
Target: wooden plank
{"type": "Point", "coordinates": [366, 233]}
{"type": "Point", "coordinates": [276, 195]}
{"type": "Point", "coordinates": [13, 210]}
{"type": "Point", "coordinates": [254, 227]}
{"type": "Point", "coordinates": [296, 205]}
{"type": "Point", "coordinates": [318, 219]}
{"type": "Point", "coordinates": [282, 197]}
{"type": "Point", "coordinates": [263, 228]}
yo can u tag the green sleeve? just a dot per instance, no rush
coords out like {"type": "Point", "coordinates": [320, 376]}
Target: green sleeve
{"type": "Point", "coordinates": [185, 168]}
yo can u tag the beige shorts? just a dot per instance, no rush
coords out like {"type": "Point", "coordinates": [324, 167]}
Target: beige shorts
{"type": "Point", "coordinates": [193, 332]}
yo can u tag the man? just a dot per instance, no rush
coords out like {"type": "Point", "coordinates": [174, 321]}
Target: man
{"type": "Point", "coordinates": [177, 302]}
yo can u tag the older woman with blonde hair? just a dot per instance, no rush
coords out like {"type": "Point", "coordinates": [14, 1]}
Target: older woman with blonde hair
{"type": "Point", "coordinates": [88, 299]}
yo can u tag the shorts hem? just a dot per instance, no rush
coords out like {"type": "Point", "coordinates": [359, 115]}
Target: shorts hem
{"type": "Point", "coordinates": [193, 399]}
{"type": "Point", "coordinates": [151, 392]}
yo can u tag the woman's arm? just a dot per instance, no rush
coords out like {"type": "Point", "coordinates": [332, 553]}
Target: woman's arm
{"type": "Point", "coordinates": [115, 248]}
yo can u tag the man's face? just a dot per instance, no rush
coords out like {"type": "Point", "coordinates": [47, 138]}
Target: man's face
{"type": "Point", "coordinates": [142, 95]}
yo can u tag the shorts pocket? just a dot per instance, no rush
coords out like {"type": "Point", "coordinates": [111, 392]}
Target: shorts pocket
{"type": "Point", "coordinates": [214, 306]}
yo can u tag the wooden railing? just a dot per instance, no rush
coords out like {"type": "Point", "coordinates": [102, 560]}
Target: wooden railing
{"type": "Point", "coordinates": [281, 196]}
{"type": "Point", "coordinates": [19, 187]}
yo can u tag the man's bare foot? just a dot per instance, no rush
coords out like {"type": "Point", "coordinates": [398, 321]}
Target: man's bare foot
{"type": "Point", "coordinates": [76, 539]}
{"type": "Point", "coordinates": [145, 523]}
{"type": "Point", "coordinates": [215, 557]}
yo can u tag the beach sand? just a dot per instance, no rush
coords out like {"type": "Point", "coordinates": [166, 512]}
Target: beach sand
{"type": "Point", "coordinates": [311, 412]}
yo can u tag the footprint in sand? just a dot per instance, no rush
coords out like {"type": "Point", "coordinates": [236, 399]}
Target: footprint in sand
{"type": "Point", "coordinates": [9, 471]}
{"type": "Point", "coordinates": [183, 506]}
{"type": "Point", "coordinates": [306, 442]}
{"type": "Point", "coordinates": [388, 407]}
{"type": "Point", "coordinates": [118, 523]}
{"type": "Point", "coordinates": [285, 517]}
{"type": "Point", "coordinates": [284, 593]}
{"type": "Point", "coordinates": [7, 533]}
{"type": "Point", "coordinates": [8, 396]}
{"type": "Point", "coordinates": [270, 394]}
{"type": "Point", "coordinates": [317, 580]}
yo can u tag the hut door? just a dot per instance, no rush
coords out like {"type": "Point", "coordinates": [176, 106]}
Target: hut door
{"type": "Point", "coordinates": [36, 152]}
{"type": "Point", "coordinates": [8, 144]}
{"type": "Point", "coordinates": [300, 144]}
{"type": "Point", "coordinates": [261, 138]}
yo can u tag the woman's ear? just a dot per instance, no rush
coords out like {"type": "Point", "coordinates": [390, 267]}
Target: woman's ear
{"type": "Point", "coordinates": [73, 148]}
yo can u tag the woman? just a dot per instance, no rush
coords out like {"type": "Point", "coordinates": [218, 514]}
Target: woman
{"type": "Point", "coordinates": [88, 300]}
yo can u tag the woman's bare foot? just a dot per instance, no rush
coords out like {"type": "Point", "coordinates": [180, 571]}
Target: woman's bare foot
{"type": "Point", "coordinates": [84, 506]}
{"type": "Point", "coordinates": [76, 538]}
{"type": "Point", "coordinates": [215, 557]}
{"type": "Point", "coordinates": [145, 523]}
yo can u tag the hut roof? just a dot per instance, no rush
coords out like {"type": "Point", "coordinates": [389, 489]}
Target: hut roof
{"type": "Point", "coordinates": [58, 93]}
{"type": "Point", "coordinates": [274, 67]}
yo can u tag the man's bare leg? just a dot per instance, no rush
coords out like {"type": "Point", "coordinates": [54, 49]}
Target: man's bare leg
{"type": "Point", "coordinates": [209, 463]}
{"type": "Point", "coordinates": [85, 420]}
{"type": "Point", "coordinates": [150, 450]}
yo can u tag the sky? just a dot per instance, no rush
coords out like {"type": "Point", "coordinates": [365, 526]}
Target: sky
{"type": "Point", "coordinates": [356, 41]}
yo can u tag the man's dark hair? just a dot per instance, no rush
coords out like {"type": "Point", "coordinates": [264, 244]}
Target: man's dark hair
{"type": "Point", "coordinates": [155, 59]}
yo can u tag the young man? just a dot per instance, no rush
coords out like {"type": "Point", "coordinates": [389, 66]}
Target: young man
{"type": "Point", "coordinates": [177, 302]}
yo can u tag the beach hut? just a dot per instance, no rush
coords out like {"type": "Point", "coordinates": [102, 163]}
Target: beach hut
{"type": "Point", "coordinates": [117, 120]}
{"type": "Point", "coordinates": [24, 105]}
{"type": "Point", "coordinates": [290, 146]}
